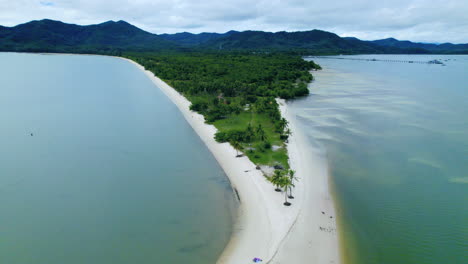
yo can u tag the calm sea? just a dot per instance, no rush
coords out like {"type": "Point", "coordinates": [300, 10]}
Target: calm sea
{"type": "Point", "coordinates": [97, 166]}
{"type": "Point", "coordinates": [396, 139]}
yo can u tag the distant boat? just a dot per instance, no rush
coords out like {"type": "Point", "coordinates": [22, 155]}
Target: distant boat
{"type": "Point", "coordinates": [434, 62]}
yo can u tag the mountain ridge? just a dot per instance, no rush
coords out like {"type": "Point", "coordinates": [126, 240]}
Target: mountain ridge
{"type": "Point", "coordinates": [55, 36]}
{"type": "Point", "coordinates": [48, 35]}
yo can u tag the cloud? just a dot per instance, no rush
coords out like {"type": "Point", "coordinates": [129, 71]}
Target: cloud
{"type": "Point", "coordinates": [416, 20]}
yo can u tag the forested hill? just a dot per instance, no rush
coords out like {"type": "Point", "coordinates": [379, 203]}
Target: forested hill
{"type": "Point", "coordinates": [192, 40]}
{"type": "Point", "coordinates": [313, 41]}
{"type": "Point", "coordinates": [305, 42]}
{"type": "Point", "coordinates": [434, 48]}
{"type": "Point", "coordinates": [115, 37]}
{"type": "Point", "coordinates": [55, 36]}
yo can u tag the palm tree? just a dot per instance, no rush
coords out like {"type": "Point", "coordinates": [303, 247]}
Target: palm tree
{"type": "Point", "coordinates": [249, 128]}
{"type": "Point", "coordinates": [237, 146]}
{"type": "Point", "coordinates": [249, 132]}
{"type": "Point", "coordinates": [261, 132]}
{"type": "Point", "coordinates": [282, 125]}
{"type": "Point", "coordinates": [276, 180]}
{"type": "Point", "coordinates": [293, 178]}
{"type": "Point", "coordinates": [286, 183]}
{"type": "Point", "coordinates": [259, 127]}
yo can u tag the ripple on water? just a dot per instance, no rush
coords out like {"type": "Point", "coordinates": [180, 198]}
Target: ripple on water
{"type": "Point", "coordinates": [397, 143]}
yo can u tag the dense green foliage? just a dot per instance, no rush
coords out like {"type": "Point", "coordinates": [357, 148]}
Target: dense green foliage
{"type": "Point", "coordinates": [236, 93]}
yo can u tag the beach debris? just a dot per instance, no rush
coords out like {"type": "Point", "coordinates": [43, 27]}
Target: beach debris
{"type": "Point", "coordinates": [323, 212]}
{"type": "Point", "coordinates": [256, 260]}
{"type": "Point", "coordinates": [327, 229]}
{"type": "Point", "coordinates": [237, 194]}
{"type": "Point", "coordinates": [257, 167]}
{"type": "Point", "coordinates": [331, 216]}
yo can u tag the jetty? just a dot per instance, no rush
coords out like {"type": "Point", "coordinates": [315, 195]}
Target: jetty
{"type": "Point", "coordinates": [373, 59]}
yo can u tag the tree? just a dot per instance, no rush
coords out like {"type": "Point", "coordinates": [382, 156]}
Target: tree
{"type": "Point", "coordinates": [282, 125]}
{"type": "Point", "coordinates": [286, 183]}
{"type": "Point", "coordinates": [249, 133]}
{"type": "Point", "coordinates": [237, 146]}
{"type": "Point", "coordinates": [292, 177]}
{"type": "Point", "coordinates": [286, 135]}
{"type": "Point", "coordinates": [261, 132]}
{"type": "Point", "coordinates": [276, 180]}
{"type": "Point", "coordinates": [259, 128]}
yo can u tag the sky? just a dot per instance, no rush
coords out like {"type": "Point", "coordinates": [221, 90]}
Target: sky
{"type": "Point", "coordinates": [434, 21]}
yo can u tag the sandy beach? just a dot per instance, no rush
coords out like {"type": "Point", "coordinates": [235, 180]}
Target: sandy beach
{"type": "Point", "coordinates": [265, 228]}
{"type": "Point", "coordinates": [313, 237]}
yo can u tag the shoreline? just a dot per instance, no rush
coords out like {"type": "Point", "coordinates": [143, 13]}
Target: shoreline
{"type": "Point", "coordinates": [314, 237]}
{"type": "Point", "coordinates": [264, 227]}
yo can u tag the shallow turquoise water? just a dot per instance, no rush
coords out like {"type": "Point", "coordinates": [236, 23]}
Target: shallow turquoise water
{"type": "Point", "coordinates": [396, 139]}
{"type": "Point", "coordinates": [98, 166]}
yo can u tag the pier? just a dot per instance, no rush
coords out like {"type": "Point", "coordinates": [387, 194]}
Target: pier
{"type": "Point", "coordinates": [381, 60]}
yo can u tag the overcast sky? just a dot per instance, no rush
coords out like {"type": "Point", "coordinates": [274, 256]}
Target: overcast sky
{"type": "Point", "coordinates": [416, 20]}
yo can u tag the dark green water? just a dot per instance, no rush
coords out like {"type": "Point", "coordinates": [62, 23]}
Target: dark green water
{"type": "Point", "coordinates": [112, 172]}
{"type": "Point", "coordinates": [396, 139]}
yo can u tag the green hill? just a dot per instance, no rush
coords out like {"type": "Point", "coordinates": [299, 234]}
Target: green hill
{"type": "Point", "coordinates": [55, 36]}
{"type": "Point", "coordinates": [314, 41]}
{"type": "Point", "coordinates": [429, 47]}
{"type": "Point", "coordinates": [190, 40]}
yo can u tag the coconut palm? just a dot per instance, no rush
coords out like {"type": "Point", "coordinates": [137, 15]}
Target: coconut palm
{"type": "Point", "coordinates": [292, 176]}
{"type": "Point", "coordinates": [282, 124]}
{"type": "Point", "coordinates": [259, 128]}
{"type": "Point", "coordinates": [276, 180]}
{"type": "Point", "coordinates": [249, 133]}
{"type": "Point", "coordinates": [237, 146]}
{"type": "Point", "coordinates": [249, 128]}
{"type": "Point", "coordinates": [261, 132]}
{"type": "Point", "coordinates": [286, 183]}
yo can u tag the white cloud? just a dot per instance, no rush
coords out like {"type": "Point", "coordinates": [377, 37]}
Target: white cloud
{"type": "Point", "coordinates": [416, 20]}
